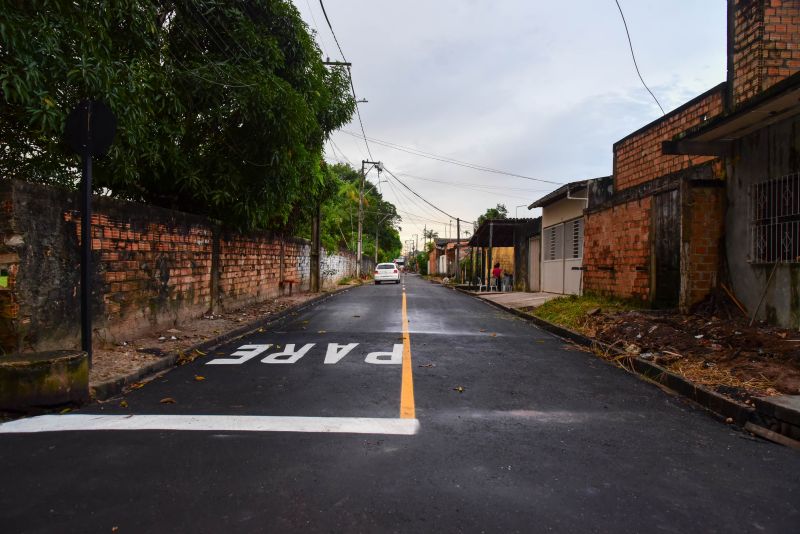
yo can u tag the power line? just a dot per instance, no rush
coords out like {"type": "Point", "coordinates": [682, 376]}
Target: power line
{"type": "Point", "coordinates": [630, 44]}
{"type": "Point", "coordinates": [444, 159]}
{"type": "Point", "coordinates": [404, 196]}
{"type": "Point", "coordinates": [350, 76]}
{"type": "Point", "coordinates": [420, 197]}
{"type": "Point", "coordinates": [314, 20]}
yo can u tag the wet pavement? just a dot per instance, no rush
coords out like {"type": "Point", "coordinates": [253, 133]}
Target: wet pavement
{"type": "Point", "coordinates": [512, 431]}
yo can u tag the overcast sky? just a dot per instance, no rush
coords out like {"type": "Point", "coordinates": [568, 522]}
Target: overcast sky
{"type": "Point", "coordinates": [533, 87]}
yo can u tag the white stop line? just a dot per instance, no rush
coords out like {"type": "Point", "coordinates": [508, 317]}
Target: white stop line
{"type": "Point", "coordinates": [216, 423]}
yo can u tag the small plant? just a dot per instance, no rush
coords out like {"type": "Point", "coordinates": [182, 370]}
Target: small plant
{"type": "Point", "coordinates": [572, 311]}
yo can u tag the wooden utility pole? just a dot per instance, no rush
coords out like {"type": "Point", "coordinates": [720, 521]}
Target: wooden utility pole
{"type": "Point", "coordinates": [458, 245]}
{"type": "Point", "coordinates": [360, 250]}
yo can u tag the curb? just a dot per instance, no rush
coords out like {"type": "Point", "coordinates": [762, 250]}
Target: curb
{"type": "Point", "coordinates": [105, 390]}
{"type": "Point", "coordinates": [722, 407]}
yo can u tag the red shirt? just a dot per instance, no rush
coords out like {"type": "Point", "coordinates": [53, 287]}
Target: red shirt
{"type": "Point", "coordinates": [497, 272]}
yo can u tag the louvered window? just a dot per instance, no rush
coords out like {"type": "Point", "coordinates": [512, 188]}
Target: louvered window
{"type": "Point", "coordinates": [554, 243]}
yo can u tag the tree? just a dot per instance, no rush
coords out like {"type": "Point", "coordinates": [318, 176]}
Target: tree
{"type": "Point", "coordinates": [498, 212]}
{"type": "Point", "coordinates": [223, 107]}
{"type": "Point", "coordinates": [339, 219]}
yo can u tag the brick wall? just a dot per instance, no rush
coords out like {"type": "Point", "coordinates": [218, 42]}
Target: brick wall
{"type": "Point", "coordinates": [703, 231]}
{"type": "Point", "coordinates": [766, 45]}
{"type": "Point", "coordinates": [638, 158]}
{"type": "Point", "coordinates": [152, 267]}
{"type": "Point", "coordinates": [617, 241]}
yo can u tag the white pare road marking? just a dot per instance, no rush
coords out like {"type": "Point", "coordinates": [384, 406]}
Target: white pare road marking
{"type": "Point", "coordinates": [244, 353]}
{"type": "Point", "coordinates": [290, 354]}
{"type": "Point", "coordinates": [213, 423]}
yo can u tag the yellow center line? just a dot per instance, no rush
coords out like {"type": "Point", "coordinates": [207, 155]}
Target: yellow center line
{"type": "Point", "coordinates": [407, 410]}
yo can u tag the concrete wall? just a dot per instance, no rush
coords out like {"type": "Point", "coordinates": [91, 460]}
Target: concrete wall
{"type": "Point", "coordinates": [563, 210]}
{"type": "Point", "coordinates": [770, 153]}
{"type": "Point", "coordinates": [152, 267]}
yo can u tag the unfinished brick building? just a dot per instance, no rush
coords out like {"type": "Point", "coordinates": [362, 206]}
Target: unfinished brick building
{"type": "Point", "coordinates": [660, 234]}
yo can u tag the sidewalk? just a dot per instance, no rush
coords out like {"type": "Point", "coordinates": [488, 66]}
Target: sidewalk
{"type": "Point", "coordinates": [518, 300]}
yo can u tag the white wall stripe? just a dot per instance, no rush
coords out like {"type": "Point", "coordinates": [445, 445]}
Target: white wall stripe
{"type": "Point", "coordinates": [216, 423]}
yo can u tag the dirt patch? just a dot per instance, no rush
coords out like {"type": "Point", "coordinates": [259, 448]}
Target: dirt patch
{"type": "Point", "coordinates": [115, 361]}
{"type": "Point", "coordinates": [713, 347]}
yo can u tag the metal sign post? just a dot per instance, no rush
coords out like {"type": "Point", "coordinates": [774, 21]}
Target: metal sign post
{"type": "Point", "coordinates": [90, 131]}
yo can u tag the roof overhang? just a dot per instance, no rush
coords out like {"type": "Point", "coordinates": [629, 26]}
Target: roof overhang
{"type": "Point", "coordinates": [715, 137]}
{"type": "Point", "coordinates": [561, 193]}
{"type": "Point", "coordinates": [503, 232]}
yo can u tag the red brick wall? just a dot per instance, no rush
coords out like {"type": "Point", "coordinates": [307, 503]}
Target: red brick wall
{"type": "Point", "coordinates": [766, 45]}
{"type": "Point", "coordinates": [151, 267]}
{"type": "Point", "coordinates": [617, 241]}
{"type": "Point", "coordinates": [702, 236]}
{"type": "Point", "coordinates": [143, 264]}
{"type": "Point", "coordinates": [638, 158]}
{"type": "Point", "coordinates": [250, 270]}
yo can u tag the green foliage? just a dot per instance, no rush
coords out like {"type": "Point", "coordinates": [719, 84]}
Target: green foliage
{"type": "Point", "coordinates": [498, 212]}
{"type": "Point", "coordinates": [570, 311]}
{"type": "Point", "coordinates": [222, 107]}
{"type": "Point", "coordinates": [422, 262]}
{"type": "Point", "coordinates": [339, 216]}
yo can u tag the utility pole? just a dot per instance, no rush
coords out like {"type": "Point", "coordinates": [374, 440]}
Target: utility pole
{"type": "Point", "coordinates": [364, 172]}
{"type": "Point", "coordinates": [458, 245]}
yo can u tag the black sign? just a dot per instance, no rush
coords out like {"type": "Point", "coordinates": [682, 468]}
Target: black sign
{"type": "Point", "coordinates": [90, 128]}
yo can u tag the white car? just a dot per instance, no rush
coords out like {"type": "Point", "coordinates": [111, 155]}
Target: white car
{"type": "Point", "coordinates": [387, 272]}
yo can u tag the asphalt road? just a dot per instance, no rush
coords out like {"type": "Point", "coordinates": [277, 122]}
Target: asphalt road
{"type": "Point", "coordinates": [543, 437]}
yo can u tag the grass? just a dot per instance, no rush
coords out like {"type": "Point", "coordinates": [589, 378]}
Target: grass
{"type": "Point", "coordinates": [570, 311]}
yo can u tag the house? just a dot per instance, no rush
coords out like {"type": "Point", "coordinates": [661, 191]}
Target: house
{"type": "Point", "coordinates": [707, 193]}
{"type": "Point", "coordinates": [514, 243]}
{"type": "Point", "coordinates": [562, 237]}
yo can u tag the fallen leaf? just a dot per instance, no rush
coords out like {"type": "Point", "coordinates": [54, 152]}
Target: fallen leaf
{"type": "Point", "coordinates": [321, 332]}
{"type": "Point", "coordinates": [137, 385]}
{"type": "Point", "coordinates": [483, 330]}
{"type": "Point", "coordinates": [427, 365]}
{"type": "Point", "coordinates": [493, 334]}
{"type": "Point", "coordinates": [123, 404]}
{"type": "Point", "coordinates": [460, 389]}
{"type": "Point", "coordinates": [198, 378]}
{"type": "Point", "coordinates": [113, 529]}
{"type": "Point", "coordinates": [356, 316]}
{"type": "Point", "coordinates": [167, 400]}
{"type": "Point", "coordinates": [259, 330]}
{"type": "Point", "coordinates": [200, 352]}
{"type": "Point", "coordinates": [65, 410]}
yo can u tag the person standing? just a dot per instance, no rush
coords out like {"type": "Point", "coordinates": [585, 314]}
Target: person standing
{"type": "Point", "coordinates": [497, 274]}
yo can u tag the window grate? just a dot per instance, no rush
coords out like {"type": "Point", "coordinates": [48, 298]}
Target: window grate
{"type": "Point", "coordinates": [775, 220]}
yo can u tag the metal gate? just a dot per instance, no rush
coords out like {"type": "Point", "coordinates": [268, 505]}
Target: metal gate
{"type": "Point", "coordinates": [666, 242]}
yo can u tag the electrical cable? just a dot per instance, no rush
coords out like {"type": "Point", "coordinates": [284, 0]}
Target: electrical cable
{"type": "Point", "coordinates": [350, 76]}
{"type": "Point", "coordinates": [630, 44]}
{"type": "Point", "coordinates": [444, 159]}
{"type": "Point", "coordinates": [421, 198]}
{"type": "Point", "coordinates": [314, 20]}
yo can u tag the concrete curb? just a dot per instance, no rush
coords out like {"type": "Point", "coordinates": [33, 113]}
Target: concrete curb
{"type": "Point", "coordinates": [105, 390]}
{"type": "Point", "coordinates": [720, 406]}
